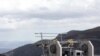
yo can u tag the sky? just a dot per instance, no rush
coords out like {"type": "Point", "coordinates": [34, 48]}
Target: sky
{"type": "Point", "coordinates": [20, 19]}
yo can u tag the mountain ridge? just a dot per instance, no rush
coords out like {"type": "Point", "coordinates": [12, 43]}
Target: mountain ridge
{"type": "Point", "coordinates": [32, 49]}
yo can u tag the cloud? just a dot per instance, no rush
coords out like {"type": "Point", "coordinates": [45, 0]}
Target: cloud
{"type": "Point", "coordinates": [46, 9]}
{"type": "Point", "coordinates": [20, 19]}
{"type": "Point", "coordinates": [65, 25]}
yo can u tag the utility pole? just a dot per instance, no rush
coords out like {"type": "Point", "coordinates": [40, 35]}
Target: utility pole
{"type": "Point", "coordinates": [41, 36]}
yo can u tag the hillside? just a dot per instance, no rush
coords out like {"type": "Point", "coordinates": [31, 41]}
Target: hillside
{"type": "Point", "coordinates": [27, 50]}
{"type": "Point", "coordinates": [91, 34]}
{"type": "Point", "coordinates": [33, 50]}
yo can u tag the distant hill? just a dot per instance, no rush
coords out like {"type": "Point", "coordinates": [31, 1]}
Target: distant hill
{"type": "Point", "coordinates": [33, 50]}
{"type": "Point", "coordinates": [3, 50]}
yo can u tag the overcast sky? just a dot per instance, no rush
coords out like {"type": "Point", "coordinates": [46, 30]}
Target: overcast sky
{"type": "Point", "coordinates": [20, 19]}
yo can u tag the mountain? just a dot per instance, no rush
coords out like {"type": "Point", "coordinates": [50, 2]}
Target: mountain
{"type": "Point", "coordinates": [90, 34]}
{"type": "Point", "coordinates": [33, 50]}
{"type": "Point", "coordinates": [28, 50]}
